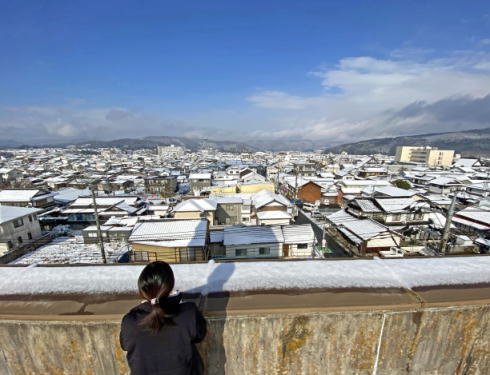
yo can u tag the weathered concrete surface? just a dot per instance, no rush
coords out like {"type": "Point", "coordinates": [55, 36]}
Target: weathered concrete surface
{"type": "Point", "coordinates": [410, 338]}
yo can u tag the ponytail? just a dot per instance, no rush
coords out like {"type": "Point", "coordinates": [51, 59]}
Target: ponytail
{"type": "Point", "coordinates": [155, 284]}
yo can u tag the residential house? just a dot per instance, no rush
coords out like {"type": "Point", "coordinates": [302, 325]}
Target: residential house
{"type": "Point", "coordinates": [195, 209]}
{"type": "Point", "coordinates": [361, 236]}
{"type": "Point", "coordinates": [391, 211]}
{"type": "Point", "coordinates": [229, 211]}
{"type": "Point", "coordinates": [36, 198]}
{"type": "Point", "coordinates": [10, 175]}
{"type": "Point", "coordinates": [298, 241]}
{"type": "Point", "coordinates": [199, 181]}
{"type": "Point", "coordinates": [163, 186]}
{"type": "Point", "coordinates": [270, 208]}
{"type": "Point", "coordinates": [253, 241]}
{"type": "Point", "coordinates": [171, 240]}
{"type": "Point", "coordinates": [18, 226]}
{"type": "Point", "coordinates": [473, 220]}
{"type": "Point", "coordinates": [81, 212]}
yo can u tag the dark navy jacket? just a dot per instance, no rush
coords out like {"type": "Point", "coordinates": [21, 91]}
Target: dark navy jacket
{"type": "Point", "coordinates": [172, 349]}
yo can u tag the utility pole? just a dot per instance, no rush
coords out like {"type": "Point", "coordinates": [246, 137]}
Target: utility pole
{"type": "Point", "coordinates": [99, 232]}
{"type": "Point", "coordinates": [447, 227]}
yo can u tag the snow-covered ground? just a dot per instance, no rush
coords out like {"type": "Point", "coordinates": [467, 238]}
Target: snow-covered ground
{"type": "Point", "coordinates": [235, 276]}
{"type": "Point", "coordinates": [71, 250]}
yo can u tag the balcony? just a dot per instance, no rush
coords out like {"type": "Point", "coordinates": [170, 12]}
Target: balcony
{"type": "Point", "coordinates": [398, 316]}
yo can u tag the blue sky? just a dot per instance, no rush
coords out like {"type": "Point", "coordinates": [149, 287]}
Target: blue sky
{"type": "Point", "coordinates": [337, 71]}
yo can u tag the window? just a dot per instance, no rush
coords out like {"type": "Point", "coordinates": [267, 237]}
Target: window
{"type": "Point", "coordinates": [9, 244]}
{"type": "Point", "coordinates": [19, 239]}
{"type": "Point", "coordinates": [92, 234]}
{"type": "Point", "coordinates": [141, 256]}
{"type": "Point", "coordinates": [30, 218]}
{"type": "Point", "coordinates": [302, 246]}
{"type": "Point", "coordinates": [264, 251]}
{"type": "Point", "coordinates": [241, 252]}
{"type": "Point", "coordinates": [29, 235]}
{"type": "Point", "coordinates": [18, 222]}
{"type": "Point", "coordinates": [397, 217]}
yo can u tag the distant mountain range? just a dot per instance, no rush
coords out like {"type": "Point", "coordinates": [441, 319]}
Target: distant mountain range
{"type": "Point", "coordinates": [193, 144]}
{"type": "Point", "coordinates": [469, 143]}
{"type": "Point", "coordinates": [189, 143]}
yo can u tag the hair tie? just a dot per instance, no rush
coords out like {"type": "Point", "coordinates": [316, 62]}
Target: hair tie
{"type": "Point", "coordinates": [154, 301]}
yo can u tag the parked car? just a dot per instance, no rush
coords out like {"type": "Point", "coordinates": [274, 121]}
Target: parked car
{"type": "Point", "coordinates": [308, 206]}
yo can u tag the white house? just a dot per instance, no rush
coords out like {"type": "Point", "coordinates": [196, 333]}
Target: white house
{"type": "Point", "coordinates": [18, 226]}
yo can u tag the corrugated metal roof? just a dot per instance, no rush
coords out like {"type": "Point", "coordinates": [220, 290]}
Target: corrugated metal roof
{"type": "Point", "coordinates": [298, 233]}
{"type": "Point", "coordinates": [366, 205]}
{"type": "Point", "coordinates": [394, 204]}
{"type": "Point", "coordinates": [171, 233]}
{"type": "Point", "coordinates": [242, 235]}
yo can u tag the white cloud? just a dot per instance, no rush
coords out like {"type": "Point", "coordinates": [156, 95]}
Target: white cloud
{"type": "Point", "coordinates": [360, 93]}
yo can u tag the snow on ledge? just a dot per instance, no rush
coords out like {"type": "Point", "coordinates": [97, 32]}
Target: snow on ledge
{"type": "Point", "coordinates": [241, 276]}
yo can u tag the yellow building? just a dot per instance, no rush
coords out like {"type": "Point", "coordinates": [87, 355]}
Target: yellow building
{"type": "Point", "coordinates": [431, 156]}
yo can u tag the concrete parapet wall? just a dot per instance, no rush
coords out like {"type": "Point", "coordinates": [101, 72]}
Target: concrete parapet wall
{"type": "Point", "coordinates": [449, 339]}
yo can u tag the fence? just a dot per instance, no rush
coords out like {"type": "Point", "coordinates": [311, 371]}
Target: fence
{"type": "Point", "coordinates": [24, 249]}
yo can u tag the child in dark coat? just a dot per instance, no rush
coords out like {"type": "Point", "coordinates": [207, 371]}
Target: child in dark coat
{"type": "Point", "coordinates": [159, 334]}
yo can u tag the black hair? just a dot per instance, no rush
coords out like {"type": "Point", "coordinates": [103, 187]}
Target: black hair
{"type": "Point", "coordinates": [156, 281]}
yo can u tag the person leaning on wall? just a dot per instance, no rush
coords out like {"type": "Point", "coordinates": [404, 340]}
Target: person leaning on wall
{"type": "Point", "coordinates": [159, 335]}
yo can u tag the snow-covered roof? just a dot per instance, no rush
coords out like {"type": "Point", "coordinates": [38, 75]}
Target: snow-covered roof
{"type": "Point", "coordinates": [171, 233]}
{"type": "Point", "coordinates": [216, 236]}
{"type": "Point", "coordinates": [298, 233]}
{"type": "Point", "coordinates": [394, 204]}
{"type": "Point", "coordinates": [8, 213]}
{"type": "Point", "coordinates": [265, 197]}
{"type": "Point", "coordinates": [243, 235]}
{"type": "Point", "coordinates": [200, 176]}
{"type": "Point", "coordinates": [104, 201]}
{"type": "Point", "coordinates": [270, 215]}
{"type": "Point", "coordinates": [356, 229]}
{"type": "Point", "coordinates": [470, 223]}
{"type": "Point", "coordinates": [192, 205]}
{"type": "Point", "coordinates": [18, 195]}
{"type": "Point", "coordinates": [466, 162]}
{"type": "Point", "coordinates": [70, 194]}
{"type": "Point", "coordinates": [229, 200]}
{"type": "Point", "coordinates": [361, 183]}
{"type": "Point", "coordinates": [366, 205]}
{"type": "Point", "coordinates": [479, 214]}
{"type": "Point", "coordinates": [393, 191]}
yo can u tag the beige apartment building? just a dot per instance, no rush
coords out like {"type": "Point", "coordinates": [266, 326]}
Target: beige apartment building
{"type": "Point", "coordinates": [430, 156]}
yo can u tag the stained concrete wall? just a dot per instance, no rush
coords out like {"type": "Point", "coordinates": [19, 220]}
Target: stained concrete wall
{"type": "Point", "coordinates": [436, 340]}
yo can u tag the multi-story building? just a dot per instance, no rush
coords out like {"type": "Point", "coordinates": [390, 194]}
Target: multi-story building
{"type": "Point", "coordinates": [164, 186]}
{"type": "Point", "coordinates": [430, 156]}
{"type": "Point", "coordinates": [18, 226]}
{"type": "Point", "coordinates": [170, 151]}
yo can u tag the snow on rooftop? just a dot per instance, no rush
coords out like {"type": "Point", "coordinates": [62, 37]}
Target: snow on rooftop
{"type": "Point", "coordinates": [8, 213]}
{"type": "Point", "coordinates": [273, 215]}
{"type": "Point", "coordinates": [241, 235]}
{"type": "Point", "coordinates": [240, 276]}
{"type": "Point", "coordinates": [298, 233]}
{"type": "Point", "coordinates": [18, 195]}
{"type": "Point", "coordinates": [192, 205]}
{"type": "Point", "coordinates": [171, 233]}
